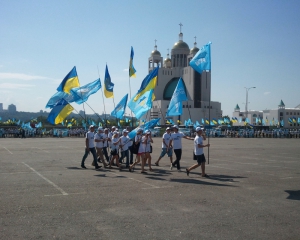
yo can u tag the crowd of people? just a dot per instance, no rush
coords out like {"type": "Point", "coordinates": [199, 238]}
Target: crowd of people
{"type": "Point", "coordinates": [121, 147]}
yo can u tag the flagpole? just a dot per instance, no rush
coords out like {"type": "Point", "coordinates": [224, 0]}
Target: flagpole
{"type": "Point", "coordinates": [208, 115]}
{"type": "Point", "coordinates": [130, 98]}
{"type": "Point", "coordinates": [82, 99]}
{"type": "Point", "coordinates": [102, 98]}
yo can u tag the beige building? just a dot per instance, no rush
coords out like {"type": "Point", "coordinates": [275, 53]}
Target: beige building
{"type": "Point", "coordinates": [198, 86]}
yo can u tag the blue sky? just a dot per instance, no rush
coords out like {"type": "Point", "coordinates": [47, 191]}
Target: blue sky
{"type": "Point", "coordinates": [254, 43]}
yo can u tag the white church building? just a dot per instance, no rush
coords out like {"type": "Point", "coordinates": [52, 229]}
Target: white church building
{"type": "Point", "coordinates": [198, 86]}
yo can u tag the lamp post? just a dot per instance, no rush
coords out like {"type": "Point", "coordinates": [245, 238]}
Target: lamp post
{"type": "Point", "coordinates": [246, 105]}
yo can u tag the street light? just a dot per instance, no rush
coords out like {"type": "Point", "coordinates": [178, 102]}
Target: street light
{"type": "Point", "coordinates": [246, 106]}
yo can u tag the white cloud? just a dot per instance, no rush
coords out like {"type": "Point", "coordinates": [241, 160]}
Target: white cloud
{"type": "Point", "coordinates": [21, 76]}
{"type": "Point", "coordinates": [15, 86]}
{"type": "Point", "coordinates": [267, 93]}
{"type": "Point", "coordinates": [125, 70]}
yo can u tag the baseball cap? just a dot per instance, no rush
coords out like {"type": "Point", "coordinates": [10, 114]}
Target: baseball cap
{"type": "Point", "coordinates": [148, 132]}
{"type": "Point", "coordinates": [198, 129]}
{"type": "Point", "coordinates": [168, 128]}
{"type": "Point", "coordinates": [113, 127]}
{"type": "Point", "coordinates": [175, 126]}
{"type": "Point", "coordinates": [115, 132]}
{"type": "Point", "coordinates": [124, 130]}
{"type": "Point", "coordinates": [100, 129]}
{"type": "Point", "coordinates": [140, 130]}
{"type": "Point", "coordinates": [92, 126]}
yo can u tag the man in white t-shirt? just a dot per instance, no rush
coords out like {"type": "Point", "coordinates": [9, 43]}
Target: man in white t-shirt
{"type": "Point", "coordinates": [177, 146]}
{"type": "Point", "coordinates": [90, 147]}
{"type": "Point", "coordinates": [125, 143]}
{"type": "Point", "coordinates": [198, 151]}
{"type": "Point", "coordinates": [165, 146]}
{"type": "Point", "coordinates": [99, 140]}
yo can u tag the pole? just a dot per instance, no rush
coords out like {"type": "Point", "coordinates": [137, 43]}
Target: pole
{"type": "Point", "coordinates": [102, 99]}
{"type": "Point", "coordinates": [209, 92]}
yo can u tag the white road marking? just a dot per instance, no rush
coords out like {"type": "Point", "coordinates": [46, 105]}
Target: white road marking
{"type": "Point", "coordinates": [8, 150]}
{"type": "Point", "coordinates": [153, 186]}
{"type": "Point", "coordinates": [47, 180]}
{"type": "Point", "coordinates": [41, 149]}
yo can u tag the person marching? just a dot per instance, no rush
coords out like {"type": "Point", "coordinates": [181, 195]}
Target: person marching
{"type": "Point", "coordinates": [99, 140]}
{"type": "Point", "coordinates": [198, 151]}
{"type": "Point", "coordinates": [141, 151]}
{"type": "Point", "coordinates": [165, 146]}
{"type": "Point", "coordinates": [125, 142]}
{"type": "Point", "coordinates": [90, 147]}
{"type": "Point", "coordinates": [148, 140]}
{"type": "Point", "coordinates": [105, 144]}
{"type": "Point", "coordinates": [177, 146]}
{"type": "Point", "coordinates": [115, 142]}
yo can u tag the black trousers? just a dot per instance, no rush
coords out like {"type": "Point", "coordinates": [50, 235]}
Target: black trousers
{"type": "Point", "coordinates": [86, 153]}
{"type": "Point", "coordinates": [178, 157]}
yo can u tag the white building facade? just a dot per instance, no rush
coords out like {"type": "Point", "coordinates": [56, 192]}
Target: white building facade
{"type": "Point", "coordinates": [198, 86]}
{"type": "Point", "coordinates": [281, 116]}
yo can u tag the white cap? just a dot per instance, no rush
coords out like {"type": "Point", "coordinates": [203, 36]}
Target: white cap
{"type": "Point", "coordinates": [148, 132]}
{"type": "Point", "coordinates": [168, 128]}
{"type": "Point", "coordinates": [100, 129]}
{"type": "Point", "coordinates": [115, 132]}
{"type": "Point", "coordinates": [140, 130]}
{"type": "Point", "coordinates": [198, 129]}
{"type": "Point", "coordinates": [113, 127]}
{"type": "Point", "coordinates": [125, 131]}
{"type": "Point", "coordinates": [175, 126]}
{"type": "Point", "coordinates": [92, 126]}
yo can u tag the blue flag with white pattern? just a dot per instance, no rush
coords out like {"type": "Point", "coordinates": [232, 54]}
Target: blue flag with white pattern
{"type": "Point", "coordinates": [119, 110]}
{"type": "Point", "coordinates": [179, 95]}
{"type": "Point", "coordinates": [202, 61]}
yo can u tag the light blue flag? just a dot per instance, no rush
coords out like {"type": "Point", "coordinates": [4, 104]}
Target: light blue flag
{"type": "Point", "coordinates": [81, 94]}
{"type": "Point", "coordinates": [202, 61]}
{"type": "Point", "coordinates": [119, 110]}
{"type": "Point", "coordinates": [202, 121]}
{"type": "Point", "coordinates": [197, 124]}
{"type": "Point", "coordinates": [282, 123]}
{"type": "Point", "coordinates": [145, 127]}
{"type": "Point", "coordinates": [57, 97]}
{"type": "Point", "coordinates": [179, 95]}
{"type": "Point", "coordinates": [298, 120]}
{"type": "Point", "coordinates": [142, 105]}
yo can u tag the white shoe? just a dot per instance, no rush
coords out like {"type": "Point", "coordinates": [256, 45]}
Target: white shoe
{"type": "Point", "coordinates": [178, 170]}
{"type": "Point", "coordinates": [171, 166]}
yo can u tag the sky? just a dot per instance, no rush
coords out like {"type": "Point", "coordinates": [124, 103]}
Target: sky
{"type": "Point", "coordinates": [254, 44]}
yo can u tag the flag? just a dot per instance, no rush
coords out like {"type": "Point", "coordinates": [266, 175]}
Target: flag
{"type": "Point", "coordinates": [145, 127]}
{"type": "Point", "coordinates": [59, 112]}
{"type": "Point", "coordinates": [294, 119]}
{"type": "Point", "coordinates": [202, 61]}
{"type": "Point", "coordinates": [108, 85]}
{"type": "Point", "coordinates": [57, 97]}
{"type": "Point", "coordinates": [82, 94]}
{"type": "Point", "coordinates": [131, 67]}
{"type": "Point", "coordinates": [142, 105]}
{"type": "Point", "coordinates": [70, 81]}
{"type": "Point", "coordinates": [119, 110]}
{"type": "Point", "coordinates": [148, 83]}
{"type": "Point", "coordinates": [282, 123]}
{"type": "Point", "coordinates": [206, 121]}
{"type": "Point", "coordinates": [179, 95]}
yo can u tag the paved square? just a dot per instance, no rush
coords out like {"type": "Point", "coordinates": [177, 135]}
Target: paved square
{"type": "Point", "coordinates": [253, 193]}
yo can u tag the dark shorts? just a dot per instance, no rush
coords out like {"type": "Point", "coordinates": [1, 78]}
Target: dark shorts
{"type": "Point", "coordinates": [200, 159]}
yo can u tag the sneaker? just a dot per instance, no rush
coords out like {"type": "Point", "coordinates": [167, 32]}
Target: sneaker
{"type": "Point", "coordinates": [156, 164]}
{"type": "Point", "coordinates": [82, 166]}
{"type": "Point", "coordinates": [187, 172]}
{"type": "Point", "coordinates": [97, 167]}
{"type": "Point", "coordinates": [171, 166]}
{"type": "Point", "coordinates": [178, 170]}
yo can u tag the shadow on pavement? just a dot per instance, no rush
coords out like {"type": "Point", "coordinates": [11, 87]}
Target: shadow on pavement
{"type": "Point", "coordinates": [156, 178]}
{"type": "Point", "coordinates": [195, 181]}
{"type": "Point", "coordinates": [294, 195]}
{"type": "Point", "coordinates": [100, 175]}
{"type": "Point", "coordinates": [224, 178]}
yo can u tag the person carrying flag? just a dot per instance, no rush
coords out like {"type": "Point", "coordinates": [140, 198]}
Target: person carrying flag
{"type": "Point", "coordinates": [198, 151]}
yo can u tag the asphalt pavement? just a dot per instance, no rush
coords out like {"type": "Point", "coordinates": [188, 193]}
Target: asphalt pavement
{"type": "Point", "coordinates": [253, 193]}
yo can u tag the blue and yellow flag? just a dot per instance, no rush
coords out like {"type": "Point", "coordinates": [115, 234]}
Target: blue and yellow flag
{"type": "Point", "coordinates": [108, 85]}
{"type": "Point", "coordinates": [132, 70]}
{"type": "Point", "coordinates": [59, 112]}
{"type": "Point", "coordinates": [148, 83]}
{"type": "Point", "coordinates": [70, 81]}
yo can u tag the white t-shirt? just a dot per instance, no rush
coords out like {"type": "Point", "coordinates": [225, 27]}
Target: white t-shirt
{"type": "Point", "coordinates": [105, 136]}
{"type": "Point", "coordinates": [146, 144]}
{"type": "Point", "coordinates": [125, 142]}
{"type": "Point", "coordinates": [142, 147]}
{"type": "Point", "coordinates": [113, 146]}
{"type": "Point", "coordinates": [99, 136]}
{"type": "Point", "coordinates": [167, 138]}
{"type": "Point", "coordinates": [90, 136]}
{"type": "Point", "coordinates": [197, 150]}
{"type": "Point", "coordinates": [176, 137]}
